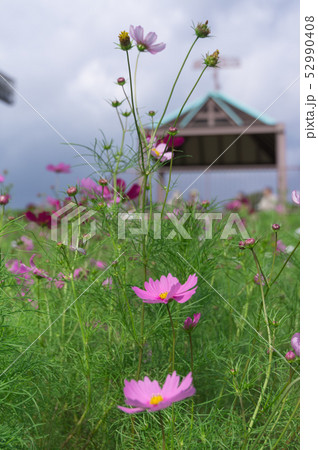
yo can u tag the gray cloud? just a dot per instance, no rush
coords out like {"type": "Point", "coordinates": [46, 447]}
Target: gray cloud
{"type": "Point", "coordinates": [63, 58]}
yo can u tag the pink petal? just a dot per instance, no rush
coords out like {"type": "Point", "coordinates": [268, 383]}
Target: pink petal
{"type": "Point", "coordinates": [185, 296]}
{"type": "Point", "coordinates": [156, 48]}
{"type": "Point", "coordinates": [150, 38]}
{"type": "Point", "coordinates": [131, 410]}
{"type": "Point", "coordinates": [137, 33]}
{"type": "Point", "coordinates": [145, 295]}
{"type": "Point", "coordinates": [191, 281]}
{"type": "Point", "coordinates": [170, 386]}
{"type": "Point", "coordinates": [134, 191]}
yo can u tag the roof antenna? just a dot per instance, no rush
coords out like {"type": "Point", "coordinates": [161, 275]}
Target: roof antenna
{"type": "Point", "coordinates": [224, 63]}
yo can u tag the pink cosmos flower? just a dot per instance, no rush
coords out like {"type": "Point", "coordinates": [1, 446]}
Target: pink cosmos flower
{"type": "Point", "coordinates": [23, 243]}
{"type": "Point", "coordinates": [89, 187]}
{"type": "Point", "coordinates": [54, 202]}
{"type": "Point", "coordinates": [145, 43]}
{"type": "Point", "coordinates": [176, 141]}
{"type": "Point", "coordinates": [28, 243]}
{"type": "Point", "coordinates": [159, 153]}
{"type": "Point", "coordinates": [98, 264]}
{"type": "Point", "coordinates": [108, 282]}
{"type": "Point", "coordinates": [60, 280]}
{"type": "Point", "coordinates": [235, 205]}
{"type": "Point", "coordinates": [59, 168]}
{"type": "Point", "coordinates": [18, 268]}
{"type": "Point", "coordinates": [80, 273]}
{"type": "Point", "coordinates": [39, 273]}
{"type": "Point", "coordinates": [280, 248]}
{"type": "Point", "coordinates": [295, 343]}
{"type": "Point", "coordinates": [189, 324]}
{"type": "Point", "coordinates": [1, 178]}
{"type": "Point", "coordinates": [167, 288]}
{"type": "Point", "coordinates": [296, 197]}
{"type": "Point", "coordinates": [259, 279]}
{"type": "Point", "coordinates": [148, 395]}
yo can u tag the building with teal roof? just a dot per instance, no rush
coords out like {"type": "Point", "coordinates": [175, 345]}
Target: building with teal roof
{"type": "Point", "coordinates": [222, 133]}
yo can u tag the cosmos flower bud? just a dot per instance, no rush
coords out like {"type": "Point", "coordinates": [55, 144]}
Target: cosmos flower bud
{"type": "Point", "coordinates": [126, 113]}
{"type": "Point", "coordinates": [211, 60]}
{"type": "Point", "coordinates": [173, 131]}
{"type": "Point", "coordinates": [115, 103]}
{"type": "Point", "coordinates": [205, 203]}
{"type": "Point", "coordinates": [290, 356]}
{"type": "Point", "coordinates": [241, 245]}
{"type": "Point", "coordinates": [72, 191]}
{"type": "Point", "coordinates": [4, 199]}
{"type": "Point", "coordinates": [124, 40]}
{"type": "Point", "coordinates": [249, 243]}
{"type": "Point", "coordinates": [121, 81]}
{"type": "Point", "coordinates": [275, 227]}
{"type": "Point", "coordinates": [151, 113]}
{"type": "Point", "coordinates": [190, 324]}
{"type": "Point", "coordinates": [202, 30]}
{"type": "Point", "coordinates": [103, 182]}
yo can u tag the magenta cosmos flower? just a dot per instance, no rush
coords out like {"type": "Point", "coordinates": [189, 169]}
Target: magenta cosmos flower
{"type": "Point", "coordinates": [42, 219]}
{"type": "Point", "coordinates": [145, 43]}
{"type": "Point", "coordinates": [295, 343]}
{"type": "Point", "coordinates": [59, 168]}
{"type": "Point", "coordinates": [189, 324]}
{"type": "Point", "coordinates": [148, 395]}
{"type": "Point", "coordinates": [167, 288]}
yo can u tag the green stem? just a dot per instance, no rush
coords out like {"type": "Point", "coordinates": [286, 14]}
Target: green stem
{"type": "Point", "coordinates": [274, 256]}
{"type": "Point", "coordinates": [173, 338]}
{"type": "Point", "coordinates": [259, 270]}
{"type": "Point", "coordinates": [270, 355]}
{"type": "Point", "coordinates": [141, 349]}
{"type": "Point", "coordinates": [134, 114]}
{"type": "Point", "coordinates": [191, 353]}
{"type": "Point", "coordinates": [285, 391]}
{"type": "Point", "coordinates": [168, 186]}
{"type": "Point", "coordinates": [239, 394]}
{"type": "Point", "coordinates": [86, 366]}
{"type": "Point", "coordinates": [174, 85]}
{"type": "Point", "coordinates": [284, 265]}
{"type": "Point", "coordinates": [286, 426]}
{"type": "Point", "coordinates": [162, 431]}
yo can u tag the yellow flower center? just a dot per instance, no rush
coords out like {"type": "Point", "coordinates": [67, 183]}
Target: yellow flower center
{"type": "Point", "coordinates": [156, 151]}
{"type": "Point", "coordinates": [163, 295]}
{"type": "Point", "coordinates": [123, 36]}
{"type": "Point", "coordinates": [156, 399]}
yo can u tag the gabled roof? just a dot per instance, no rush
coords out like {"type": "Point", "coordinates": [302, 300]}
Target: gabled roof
{"type": "Point", "coordinates": [228, 111]}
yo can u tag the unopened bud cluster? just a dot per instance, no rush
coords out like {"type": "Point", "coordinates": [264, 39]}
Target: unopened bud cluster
{"type": "Point", "coordinates": [202, 30]}
{"type": "Point", "coordinates": [212, 60]}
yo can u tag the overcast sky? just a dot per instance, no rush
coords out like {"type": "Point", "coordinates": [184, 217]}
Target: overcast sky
{"type": "Point", "coordinates": [64, 61]}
